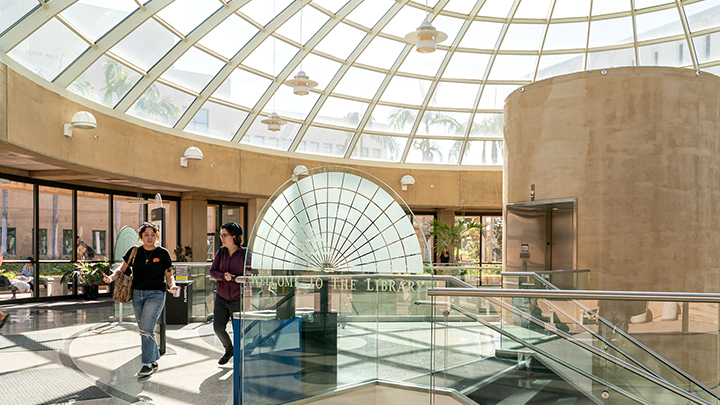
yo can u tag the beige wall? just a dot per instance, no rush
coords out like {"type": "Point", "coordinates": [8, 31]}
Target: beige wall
{"type": "Point", "coordinates": [639, 149]}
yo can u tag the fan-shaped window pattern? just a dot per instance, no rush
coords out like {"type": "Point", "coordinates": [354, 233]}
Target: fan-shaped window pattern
{"type": "Point", "coordinates": [335, 221]}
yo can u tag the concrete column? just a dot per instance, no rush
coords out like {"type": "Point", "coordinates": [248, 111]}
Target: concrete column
{"type": "Point", "coordinates": [639, 149]}
{"type": "Point", "coordinates": [255, 206]}
{"type": "Point", "coordinates": [193, 219]}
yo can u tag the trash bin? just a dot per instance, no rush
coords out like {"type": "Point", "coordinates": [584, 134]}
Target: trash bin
{"type": "Point", "coordinates": [178, 306]}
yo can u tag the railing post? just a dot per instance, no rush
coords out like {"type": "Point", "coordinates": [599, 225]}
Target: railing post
{"type": "Point", "coordinates": [237, 361]}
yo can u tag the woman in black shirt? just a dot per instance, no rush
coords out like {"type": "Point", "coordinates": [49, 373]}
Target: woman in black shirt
{"type": "Point", "coordinates": [152, 276]}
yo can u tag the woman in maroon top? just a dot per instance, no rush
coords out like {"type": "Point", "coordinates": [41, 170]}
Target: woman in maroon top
{"type": "Point", "coordinates": [229, 263]}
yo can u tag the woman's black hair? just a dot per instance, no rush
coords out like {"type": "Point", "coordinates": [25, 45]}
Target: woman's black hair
{"type": "Point", "coordinates": [146, 225]}
{"type": "Point", "coordinates": [235, 230]}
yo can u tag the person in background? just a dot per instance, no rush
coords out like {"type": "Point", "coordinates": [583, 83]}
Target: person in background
{"type": "Point", "coordinates": [229, 263]}
{"type": "Point", "coordinates": [445, 257]}
{"type": "Point", "coordinates": [152, 276]}
{"type": "Point", "coordinates": [3, 315]}
{"type": "Point", "coordinates": [28, 275]}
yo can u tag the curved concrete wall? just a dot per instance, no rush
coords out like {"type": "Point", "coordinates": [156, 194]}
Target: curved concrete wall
{"type": "Point", "coordinates": [639, 148]}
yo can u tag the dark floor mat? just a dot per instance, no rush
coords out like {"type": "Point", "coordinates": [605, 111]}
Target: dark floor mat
{"type": "Point", "coordinates": [33, 343]}
{"type": "Point", "coordinates": [48, 386]}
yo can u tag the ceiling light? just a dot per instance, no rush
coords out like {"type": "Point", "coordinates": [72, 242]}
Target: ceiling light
{"type": "Point", "coordinates": [82, 120]}
{"type": "Point", "coordinates": [273, 122]}
{"type": "Point", "coordinates": [425, 37]}
{"type": "Point", "coordinates": [301, 83]}
{"type": "Point", "coordinates": [191, 153]}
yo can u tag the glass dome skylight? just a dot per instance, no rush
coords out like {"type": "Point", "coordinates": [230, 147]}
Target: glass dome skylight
{"type": "Point", "coordinates": [216, 68]}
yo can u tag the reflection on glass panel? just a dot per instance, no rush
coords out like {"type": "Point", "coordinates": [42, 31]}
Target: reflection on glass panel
{"type": "Point", "coordinates": [216, 121]}
{"type": "Point", "coordinates": [467, 66]}
{"type": "Point", "coordinates": [126, 212]}
{"type": "Point", "coordinates": [369, 12]}
{"type": "Point", "coordinates": [56, 217]}
{"type": "Point", "coordinates": [392, 119]}
{"type": "Point", "coordinates": [271, 51]}
{"type": "Point", "coordinates": [487, 125]}
{"type": "Point", "coordinates": [405, 90]}
{"type": "Point", "coordinates": [379, 147]}
{"type": "Point", "coordinates": [161, 104]}
{"type": "Point", "coordinates": [242, 88]}
{"type": "Point", "coordinates": [566, 36]}
{"type": "Point", "coordinates": [482, 35]}
{"type": "Point", "coordinates": [665, 54]}
{"type": "Point", "coordinates": [492, 239]}
{"type": "Point", "coordinates": [533, 9]}
{"type": "Point", "coordinates": [13, 11]}
{"type": "Point", "coordinates": [322, 141]}
{"type": "Point", "coordinates": [435, 151]}
{"type": "Point", "coordinates": [229, 36]}
{"type": "Point", "coordinates": [259, 135]}
{"type": "Point", "coordinates": [312, 21]}
{"type": "Point", "coordinates": [658, 24]}
{"type": "Point", "coordinates": [92, 217]}
{"type": "Point", "coordinates": [381, 52]}
{"type": "Point", "coordinates": [341, 41]}
{"type": "Point", "coordinates": [495, 8]}
{"type": "Point", "coordinates": [262, 12]}
{"type": "Point", "coordinates": [523, 37]}
{"type": "Point", "coordinates": [186, 15]}
{"type": "Point", "coordinates": [450, 26]}
{"type": "Point", "coordinates": [443, 123]}
{"type": "Point", "coordinates": [571, 8]}
{"type": "Point", "coordinates": [94, 20]}
{"type": "Point", "coordinates": [612, 31]}
{"type": "Point", "coordinates": [610, 6]}
{"type": "Point", "coordinates": [707, 47]}
{"type": "Point", "coordinates": [49, 50]}
{"type": "Point", "coordinates": [359, 83]}
{"type": "Point", "coordinates": [609, 59]}
{"type": "Point", "coordinates": [105, 82]}
{"type": "Point", "coordinates": [213, 234]}
{"type": "Point", "coordinates": [136, 49]}
{"type": "Point", "coordinates": [16, 228]}
{"type": "Point", "coordinates": [288, 104]}
{"type": "Point", "coordinates": [493, 96]}
{"type": "Point", "coordinates": [171, 211]}
{"type": "Point", "coordinates": [483, 153]}
{"type": "Point", "coordinates": [702, 15]}
{"type": "Point", "coordinates": [513, 67]}
{"type": "Point", "coordinates": [405, 21]}
{"type": "Point", "coordinates": [331, 5]}
{"type": "Point", "coordinates": [193, 70]}
{"type": "Point", "coordinates": [556, 65]}
{"type": "Point", "coordinates": [454, 95]}
{"type": "Point", "coordinates": [423, 63]}
{"type": "Point", "coordinates": [341, 112]}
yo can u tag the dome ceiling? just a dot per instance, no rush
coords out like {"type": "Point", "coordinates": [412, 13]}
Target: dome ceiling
{"type": "Point", "coordinates": [216, 68]}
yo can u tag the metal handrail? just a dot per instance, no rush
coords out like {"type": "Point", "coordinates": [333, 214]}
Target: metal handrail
{"type": "Point", "coordinates": [527, 273]}
{"type": "Point", "coordinates": [571, 366]}
{"type": "Point", "coordinates": [578, 294]}
{"type": "Point", "coordinates": [556, 331]}
{"type": "Point", "coordinates": [647, 350]}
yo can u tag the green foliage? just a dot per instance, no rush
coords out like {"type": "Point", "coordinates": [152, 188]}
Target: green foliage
{"type": "Point", "coordinates": [448, 238]}
{"type": "Point", "coordinates": [183, 254]}
{"type": "Point", "coordinates": [117, 83]}
{"type": "Point", "coordinates": [92, 273]}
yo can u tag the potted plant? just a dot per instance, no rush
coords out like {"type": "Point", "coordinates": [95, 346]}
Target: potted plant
{"type": "Point", "coordinates": [91, 274]}
{"type": "Point", "coordinates": [448, 237]}
{"type": "Point", "coordinates": [183, 254]}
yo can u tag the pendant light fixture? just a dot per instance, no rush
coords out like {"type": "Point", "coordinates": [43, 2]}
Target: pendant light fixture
{"type": "Point", "coordinates": [273, 121]}
{"type": "Point", "coordinates": [426, 37]}
{"type": "Point", "coordinates": [301, 83]}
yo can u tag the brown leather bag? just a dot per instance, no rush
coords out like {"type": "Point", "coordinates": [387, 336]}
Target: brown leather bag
{"type": "Point", "coordinates": [123, 287]}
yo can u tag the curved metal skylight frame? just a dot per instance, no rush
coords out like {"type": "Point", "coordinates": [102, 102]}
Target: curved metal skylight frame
{"type": "Point", "coordinates": [50, 10]}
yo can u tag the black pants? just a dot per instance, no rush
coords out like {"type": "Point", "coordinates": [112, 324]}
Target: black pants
{"type": "Point", "coordinates": [222, 313]}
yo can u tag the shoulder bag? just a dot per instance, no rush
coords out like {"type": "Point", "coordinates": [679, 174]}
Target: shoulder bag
{"type": "Point", "coordinates": [123, 287]}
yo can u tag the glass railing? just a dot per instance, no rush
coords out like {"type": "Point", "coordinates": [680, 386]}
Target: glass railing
{"type": "Point", "coordinates": [647, 321]}
{"type": "Point", "coordinates": [311, 334]}
{"type": "Point", "coordinates": [561, 359]}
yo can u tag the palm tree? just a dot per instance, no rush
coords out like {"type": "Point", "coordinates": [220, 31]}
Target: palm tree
{"type": "Point", "coordinates": [83, 87]}
{"type": "Point", "coordinates": [400, 117]}
{"type": "Point", "coordinates": [448, 238]}
{"type": "Point", "coordinates": [354, 118]}
{"type": "Point", "coordinates": [117, 83]}
{"type": "Point", "coordinates": [151, 106]}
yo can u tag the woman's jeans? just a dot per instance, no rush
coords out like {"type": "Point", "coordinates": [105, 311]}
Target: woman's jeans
{"type": "Point", "coordinates": [148, 305]}
{"type": "Point", "coordinates": [222, 312]}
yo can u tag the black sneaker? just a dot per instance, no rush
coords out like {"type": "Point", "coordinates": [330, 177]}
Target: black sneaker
{"type": "Point", "coordinates": [225, 358]}
{"type": "Point", "coordinates": [154, 367]}
{"type": "Point", "coordinates": [146, 371]}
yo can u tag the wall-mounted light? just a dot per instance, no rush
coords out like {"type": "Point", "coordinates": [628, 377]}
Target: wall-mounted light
{"type": "Point", "coordinates": [81, 120]}
{"type": "Point", "coordinates": [298, 171]}
{"type": "Point", "coordinates": [191, 153]}
{"type": "Point", "coordinates": [407, 180]}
